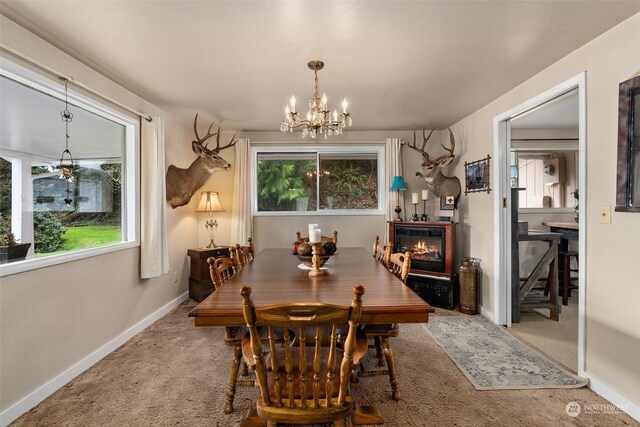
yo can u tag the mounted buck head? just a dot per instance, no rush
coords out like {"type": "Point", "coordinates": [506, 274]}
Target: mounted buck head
{"type": "Point", "coordinates": [183, 183]}
{"type": "Point", "coordinates": [431, 170]}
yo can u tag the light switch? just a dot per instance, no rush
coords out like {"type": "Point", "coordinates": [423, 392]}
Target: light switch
{"type": "Point", "coordinates": [605, 214]}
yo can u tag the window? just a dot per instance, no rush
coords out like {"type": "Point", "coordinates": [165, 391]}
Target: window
{"type": "Point", "coordinates": [547, 178]}
{"type": "Point", "coordinates": [325, 180]}
{"type": "Point", "coordinates": [96, 212]}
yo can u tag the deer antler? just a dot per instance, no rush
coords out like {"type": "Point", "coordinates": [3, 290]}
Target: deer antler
{"type": "Point", "coordinates": [218, 148]}
{"type": "Point", "coordinates": [207, 136]}
{"type": "Point", "coordinates": [453, 143]}
{"type": "Point", "coordinates": [445, 159]}
{"type": "Point", "coordinates": [421, 150]}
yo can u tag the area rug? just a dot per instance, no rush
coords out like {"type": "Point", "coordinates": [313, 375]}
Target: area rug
{"type": "Point", "coordinates": [491, 359]}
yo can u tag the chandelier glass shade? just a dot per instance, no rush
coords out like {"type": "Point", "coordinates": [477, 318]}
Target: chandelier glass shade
{"type": "Point", "coordinates": [319, 118]}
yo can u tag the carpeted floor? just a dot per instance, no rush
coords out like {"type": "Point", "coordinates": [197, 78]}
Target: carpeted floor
{"type": "Point", "coordinates": [175, 374]}
{"type": "Point", "coordinates": [558, 340]}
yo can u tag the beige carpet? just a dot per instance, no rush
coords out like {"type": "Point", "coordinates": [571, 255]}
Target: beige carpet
{"type": "Point", "coordinates": [557, 340]}
{"type": "Point", "coordinates": [175, 374]}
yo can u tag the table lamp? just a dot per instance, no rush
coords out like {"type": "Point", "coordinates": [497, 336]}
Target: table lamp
{"type": "Point", "coordinates": [209, 202]}
{"type": "Point", "coordinates": [398, 185]}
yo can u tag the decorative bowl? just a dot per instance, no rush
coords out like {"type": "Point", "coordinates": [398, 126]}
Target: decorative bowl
{"type": "Point", "coordinates": [308, 260]}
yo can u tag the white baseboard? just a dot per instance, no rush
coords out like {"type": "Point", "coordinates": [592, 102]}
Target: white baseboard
{"type": "Point", "coordinates": [32, 399]}
{"type": "Point", "coordinates": [622, 402]}
{"type": "Point", "coordinates": [487, 314]}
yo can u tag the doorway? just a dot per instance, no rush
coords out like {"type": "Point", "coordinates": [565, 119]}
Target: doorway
{"type": "Point", "coordinates": [506, 142]}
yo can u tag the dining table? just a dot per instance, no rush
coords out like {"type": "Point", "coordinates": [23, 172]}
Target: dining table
{"type": "Point", "coordinates": [278, 277]}
{"type": "Point", "coordinates": [568, 231]}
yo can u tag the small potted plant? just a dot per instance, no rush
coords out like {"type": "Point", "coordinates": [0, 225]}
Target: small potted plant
{"type": "Point", "coordinates": [10, 249]}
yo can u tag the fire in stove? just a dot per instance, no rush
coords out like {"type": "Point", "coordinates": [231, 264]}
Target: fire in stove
{"type": "Point", "coordinates": [422, 250]}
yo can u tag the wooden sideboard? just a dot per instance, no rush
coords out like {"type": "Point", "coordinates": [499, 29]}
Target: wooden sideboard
{"type": "Point", "coordinates": [200, 284]}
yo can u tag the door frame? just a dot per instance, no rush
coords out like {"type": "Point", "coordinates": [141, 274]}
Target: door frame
{"type": "Point", "coordinates": [502, 214]}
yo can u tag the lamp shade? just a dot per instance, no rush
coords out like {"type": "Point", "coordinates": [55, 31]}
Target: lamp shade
{"type": "Point", "coordinates": [209, 202]}
{"type": "Point", "coordinates": [398, 184]}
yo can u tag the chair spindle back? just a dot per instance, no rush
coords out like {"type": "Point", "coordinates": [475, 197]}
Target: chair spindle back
{"type": "Point", "coordinates": [305, 384]}
{"type": "Point", "coordinates": [400, 265]}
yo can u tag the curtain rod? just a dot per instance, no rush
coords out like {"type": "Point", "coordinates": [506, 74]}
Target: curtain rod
{"type": "Point", "coordinates": [72, 80]}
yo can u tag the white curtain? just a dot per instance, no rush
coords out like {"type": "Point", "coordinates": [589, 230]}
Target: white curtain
{"type": "Point", "coordinates": [393, 167]}
{"type": "Point", "coordinates": [154, 253]}
{"type": "Point", "coordinates": [241, 208]}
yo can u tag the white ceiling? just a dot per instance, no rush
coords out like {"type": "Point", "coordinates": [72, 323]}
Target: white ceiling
{"type": "Point", "coordinates": [32, 123]}
{"type": "Point", "coordinates": [558, 113]}
{"type": "Point", "coordinates": [401, 65]}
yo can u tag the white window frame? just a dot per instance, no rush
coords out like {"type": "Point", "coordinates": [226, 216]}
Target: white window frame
{"type": "Point", "coordinates": [130, 218]}
{"type": "Point", "coordinates": [378, 149]}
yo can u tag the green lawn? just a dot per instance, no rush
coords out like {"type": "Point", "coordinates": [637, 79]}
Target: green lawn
{"type": "Point", "coordinates": [90, 236]}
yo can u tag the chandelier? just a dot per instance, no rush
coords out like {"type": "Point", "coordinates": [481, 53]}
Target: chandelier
{"type": "Point", "coordinates": [319, 118]}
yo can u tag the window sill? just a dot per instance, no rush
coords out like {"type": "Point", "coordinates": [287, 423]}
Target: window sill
{"type": "Point", "coordinates": [545, 211]}
{"type": "Point", "coordinates": [48, 261]}
{"type": "Point", "coordinates": [321, 213]}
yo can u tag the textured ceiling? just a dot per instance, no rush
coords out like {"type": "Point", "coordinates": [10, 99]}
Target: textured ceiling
{"type": "Point", "coordinates": [401, 65]}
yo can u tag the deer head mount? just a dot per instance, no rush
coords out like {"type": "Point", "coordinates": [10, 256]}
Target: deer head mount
{"type": "Point", "coordinates": [183, 183]}
{"type": "Point", "coordinates": [431, 170]}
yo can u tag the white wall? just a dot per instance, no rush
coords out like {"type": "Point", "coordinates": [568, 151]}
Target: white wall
{"type": "Point", "coordinates": [612, 285]}
{"type": "Point", "coordinates": [53, 317]}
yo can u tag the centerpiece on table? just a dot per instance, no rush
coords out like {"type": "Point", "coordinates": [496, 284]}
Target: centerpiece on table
{"type": "Point", "coordinates": [314, 251]}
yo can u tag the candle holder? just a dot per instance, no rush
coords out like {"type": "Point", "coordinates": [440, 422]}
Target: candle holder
{"type": "Point", "coordinates": [315, 261]}
{"type": "Point", "coordinates": [414, 217]}
{"type": "Point", "coordinates": [424, 217]}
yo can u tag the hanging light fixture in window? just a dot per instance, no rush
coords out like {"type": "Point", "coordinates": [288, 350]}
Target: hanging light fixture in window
{"type": "Point", "coordinates": [67, 165]}
{"type": "Point", "coordinates": [319, 117]}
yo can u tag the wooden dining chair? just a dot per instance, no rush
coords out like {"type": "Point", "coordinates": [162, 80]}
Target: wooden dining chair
{"type": "Point", "coordinates": [399, 265]}
{"type": "Point", "coordinates": [242, 255]}
{"type": "Point", "coordinates": [333, 238]}
{"type": "Point", "coordinates": [303, 384]}
{"type": "Point", "coordinates": [221, 270]}
{"type": "Point", "coordinates": [382, 253]}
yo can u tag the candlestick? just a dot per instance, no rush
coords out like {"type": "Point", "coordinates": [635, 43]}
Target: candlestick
{"type": "Point", "coordinates": [312, 227]}
{"type": "Point", "coordinates": [424, 217]}
{"type": "Point", "coordinates": [414, 217]}
{"type": "Point", "coordinates": [314, 235]}
{"type": "Point", "coordinates": [315, 261]}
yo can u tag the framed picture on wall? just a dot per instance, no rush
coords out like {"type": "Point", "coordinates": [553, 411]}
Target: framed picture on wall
{"type": "Point", "coordinates": [447, 203]}
{"type": "Point", "coordinates": [477, 176]}
{"type": "Point", "coordinates": [628, 170]}
{"type": "Point", "coordinates": [442, 209]}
